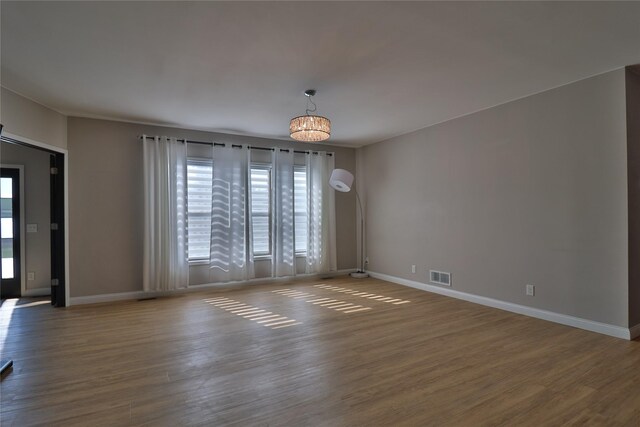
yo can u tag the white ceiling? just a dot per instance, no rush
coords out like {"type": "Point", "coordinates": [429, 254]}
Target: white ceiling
{"type": "Point", "coordinates": [381, 68]}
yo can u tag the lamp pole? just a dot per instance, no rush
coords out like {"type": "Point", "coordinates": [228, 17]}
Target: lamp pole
{"type": "Point", "coordinates": [360, 274]}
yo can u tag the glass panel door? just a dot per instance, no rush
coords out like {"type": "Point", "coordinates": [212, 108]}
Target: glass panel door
{"type": "Point", "coordinates": [10, 232]}
{"type": "Point", "coordinates": [6, 226]}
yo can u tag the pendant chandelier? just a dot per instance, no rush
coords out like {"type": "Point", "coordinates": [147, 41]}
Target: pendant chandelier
{"type": "Point", "coordinates": [310, 128]}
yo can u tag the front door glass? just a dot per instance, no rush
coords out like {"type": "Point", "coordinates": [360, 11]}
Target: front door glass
{"type": "Point", "coordinates": [6, 227]}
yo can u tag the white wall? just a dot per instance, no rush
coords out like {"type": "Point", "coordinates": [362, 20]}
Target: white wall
{"type": "Point", "coordinates": [23, 117]}
{"type": "Point", "coordinates": [532, 191]}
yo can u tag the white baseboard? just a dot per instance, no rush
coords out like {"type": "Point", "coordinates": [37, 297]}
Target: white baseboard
{"type": "Point", "coordinates": [634, 332]}
{"type": "Point", "coordinates": [122, 296]}
{"type": "Point", "coordinates": [576, 322]}
{"type": "Point", "coordinates": [39, 292]}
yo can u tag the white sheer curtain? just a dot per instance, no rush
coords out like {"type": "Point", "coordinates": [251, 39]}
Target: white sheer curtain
{"type": "Point", "coordinates": [283, 257]}
{"type": "Point", "coordinates": [165, 265]}
{"type": "Point", "coordinates": [321, 217]}
{"type": "Point", "coordinates": [231, 257]}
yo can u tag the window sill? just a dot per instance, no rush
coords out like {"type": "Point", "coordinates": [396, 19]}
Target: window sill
{"type": "Point", "coordinates": [255, 258]}
{"type": "Point", "coordinates": [268, 257]}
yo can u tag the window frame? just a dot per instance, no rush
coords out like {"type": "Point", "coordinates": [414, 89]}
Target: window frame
{"type": "Point", "coordinates": [253, 165]}
{"type": "Point", "coordinates": [300, 254]}
{"type": "Point", "coordinates": [202, 161]}
{"type": "Point", "coordinates": [269, 168]}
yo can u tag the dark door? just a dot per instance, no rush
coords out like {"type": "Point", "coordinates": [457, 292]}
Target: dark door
{"type": "Point", "coordinates": [57, 231]}
{"type": "Point", "coordinates": [10, 233]}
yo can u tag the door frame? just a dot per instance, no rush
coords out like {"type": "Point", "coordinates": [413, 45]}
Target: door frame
{"type": "Point", "coordinates": [23, 267]}
{"type": "Point", "coordinates": [21, 140]}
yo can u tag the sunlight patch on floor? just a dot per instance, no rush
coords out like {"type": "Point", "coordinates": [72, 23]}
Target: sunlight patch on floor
{"type": "Point", "coordinates": [249, 312]}
{"type": "Point", "coordinates": [33, 304]}
{"type": "Point", "coordinates": [357, 293]}
{"type": "Point", "coordinates": [338, 305]}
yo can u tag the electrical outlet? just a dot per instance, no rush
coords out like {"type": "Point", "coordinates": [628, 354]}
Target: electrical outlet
{"type": "Point", "coordinates": [366, 260]}
{"type": "Point", "coordinates": [32, 228]}
{"type": "Point", "coordinates": [31, 275]}
{"type": "Point", "coordinates": [531, 290]}
{"type": "Point", "coordinates": [413, 269]}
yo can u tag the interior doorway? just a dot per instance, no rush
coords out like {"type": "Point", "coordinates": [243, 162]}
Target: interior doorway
{"type": "Point", "coordinates": [52, 224]}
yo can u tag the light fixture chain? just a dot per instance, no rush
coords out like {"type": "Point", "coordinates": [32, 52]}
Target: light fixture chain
{"type": "Point", "coordinates": [315, 107]}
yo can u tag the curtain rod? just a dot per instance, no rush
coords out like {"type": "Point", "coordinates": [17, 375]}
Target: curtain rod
{"type": "Point", "coordinates": [221, 144]}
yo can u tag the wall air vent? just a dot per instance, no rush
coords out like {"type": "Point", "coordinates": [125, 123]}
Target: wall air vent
{"type": "Point", "coordinates": [440, 277]}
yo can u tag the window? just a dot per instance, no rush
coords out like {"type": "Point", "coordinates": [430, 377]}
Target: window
{"type": "Point", "coordinates": [300, 208]}
{"type": "Point", "coordinates": [199, 176]}
{"type": "Point", "coordinates": [261, 209]}
{"type": "Point", "coordinates": [199, 192]}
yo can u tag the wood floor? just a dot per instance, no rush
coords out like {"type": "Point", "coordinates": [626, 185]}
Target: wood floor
{"type": "Point", "coordinates": [339, 352]}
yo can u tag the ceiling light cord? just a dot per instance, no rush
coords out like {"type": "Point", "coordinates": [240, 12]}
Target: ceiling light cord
{"type": "Point", "coordinates": [315, 107]}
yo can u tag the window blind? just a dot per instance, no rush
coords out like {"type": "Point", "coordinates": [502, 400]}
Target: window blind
{"type": "Point", "coordinates": [199, 176]}
{"type": "Point", "coordinates": [261, 208]}
{"type": "Point", "coordinates": [199, 193]}
{"type": "Point", "coordinates": [300, 208]}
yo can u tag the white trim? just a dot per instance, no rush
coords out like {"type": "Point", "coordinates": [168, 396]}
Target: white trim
{"type": "Point", "coordinates": [576, 322]}
{"type": "Point", "coordinates": [35, 143]}
{"type": "Point", "coordinates": [634, 332]}
{"type": "Point", "coordinates": [65, 152]}
{"type": "Point", "coordinates": [23, 237]}
{"type": "Point", "coordinates": [38, 292]}
{"type": "Point", "coordinates": [196, 261]}
{"type": "Point", "coordinates": [93, 299]}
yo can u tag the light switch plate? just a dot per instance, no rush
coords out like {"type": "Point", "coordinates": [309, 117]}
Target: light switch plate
{"type": "Point", "coordinates": [531, 290]}
{"type": "Point", "coordinates": [32, 228]}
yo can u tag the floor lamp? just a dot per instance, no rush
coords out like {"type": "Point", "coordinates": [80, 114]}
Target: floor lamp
{"type": "Point", "coordinates": [342, 180]}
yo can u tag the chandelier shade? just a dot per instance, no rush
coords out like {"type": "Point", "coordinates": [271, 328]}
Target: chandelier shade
{"type": "Point", "coordinates": [310, 128]}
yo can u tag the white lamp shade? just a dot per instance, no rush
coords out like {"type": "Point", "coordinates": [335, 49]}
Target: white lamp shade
{"type": "Point", "coordinates": [341, 180]}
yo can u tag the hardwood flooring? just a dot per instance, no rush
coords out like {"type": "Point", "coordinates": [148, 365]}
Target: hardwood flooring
{"type": "Point", "coordinates": [337, 352]}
